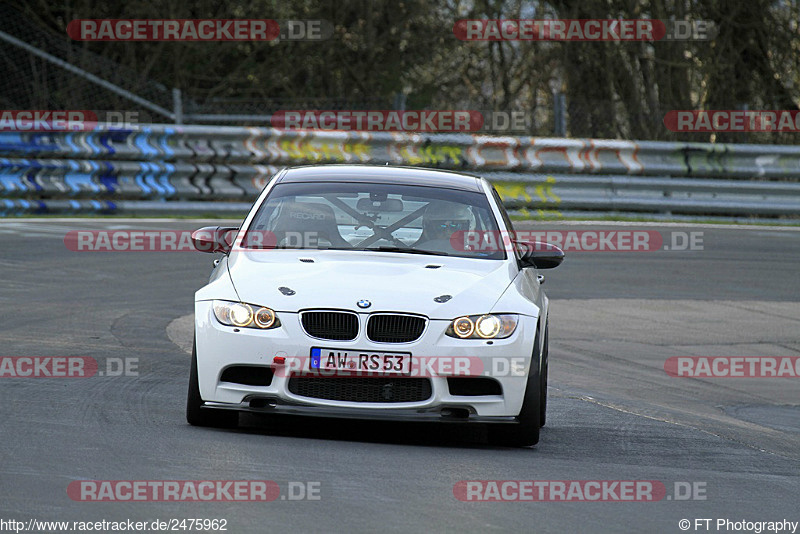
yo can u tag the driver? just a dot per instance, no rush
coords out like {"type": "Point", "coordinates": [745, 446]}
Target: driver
{"type": "Point", "coordinates": [440, 221]}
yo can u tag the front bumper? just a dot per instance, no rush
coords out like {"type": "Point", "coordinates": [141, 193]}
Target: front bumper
{"type": "Point", "coordinates": [269, 405]}
{"type": "Point", "coordinates": [219, 347]}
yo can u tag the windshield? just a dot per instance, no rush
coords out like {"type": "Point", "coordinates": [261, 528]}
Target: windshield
{"type": "Point", "coordinates": [394, 218]}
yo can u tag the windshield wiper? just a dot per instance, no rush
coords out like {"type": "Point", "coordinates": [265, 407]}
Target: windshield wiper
{"type": "Point", "coordinates": [407, 250]}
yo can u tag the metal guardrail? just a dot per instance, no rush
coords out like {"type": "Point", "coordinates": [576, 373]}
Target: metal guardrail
{"type": "Point", "coordinates": [180, 168]}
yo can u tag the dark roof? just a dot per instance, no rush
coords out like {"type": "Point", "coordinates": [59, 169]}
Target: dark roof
{"type": "Point", "coordinates": [382, 174]}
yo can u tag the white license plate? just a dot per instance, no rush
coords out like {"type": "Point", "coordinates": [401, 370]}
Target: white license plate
{"type": "Point", "coordinates": [361, 361]}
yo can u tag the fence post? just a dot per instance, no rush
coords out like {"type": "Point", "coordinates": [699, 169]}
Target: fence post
{"type": "Point", "coordinates": [559, 114]}
{"type": "Point", "coordinates": [177, 105]}
{"type": "Point", "coordinates": [399, 101]}
{"type": "Point", "coordinates": [744, 107]}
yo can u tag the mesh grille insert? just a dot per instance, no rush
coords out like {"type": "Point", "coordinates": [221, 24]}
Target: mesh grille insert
{"type": "Point", "coordinates": [394, 328]}
{"type": "Point", "coordinates": [362, 389]}
{"type": "Point", "coordinates": [337, 326]}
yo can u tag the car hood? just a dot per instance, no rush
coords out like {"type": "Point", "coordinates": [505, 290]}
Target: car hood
{"type": "Point", "coordinates": [390, 281]}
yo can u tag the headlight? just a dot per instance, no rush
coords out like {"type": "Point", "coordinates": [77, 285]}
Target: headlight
{"type": "Point", "coordinates": [264, 318]}
{"type": "Point", "coordinates": [245, 315]}
{"type": "Point", "coordinates": [463, 327]}
{"type": "Point", "coordinates": [487, 326]}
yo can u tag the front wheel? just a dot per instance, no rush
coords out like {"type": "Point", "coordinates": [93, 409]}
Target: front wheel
{"type": "Point", "coordinates": [195, 414]}
{"type": "Point", "coordinates": [525, 431]}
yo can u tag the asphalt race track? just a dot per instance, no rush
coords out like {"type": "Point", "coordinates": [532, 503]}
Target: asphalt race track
{"type": "Point", "coordinates": [614, 413]}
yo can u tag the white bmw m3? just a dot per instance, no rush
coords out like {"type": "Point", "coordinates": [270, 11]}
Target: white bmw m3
{"type": "Point", "coordinates": [374, 292]}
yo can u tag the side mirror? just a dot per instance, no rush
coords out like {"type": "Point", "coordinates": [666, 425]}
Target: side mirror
{"type": "Point", "coordinates": [540, 255]}
{"type": "Point", "coordinates": [214, 238]}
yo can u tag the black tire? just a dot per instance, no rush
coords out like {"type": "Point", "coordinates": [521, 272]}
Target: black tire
{"type": "Point", "coordinates": [543, 389]}
{"type": "Point", "coordinates": [525, 431]}
{"type": "Point", "coordinates": [197, 416]}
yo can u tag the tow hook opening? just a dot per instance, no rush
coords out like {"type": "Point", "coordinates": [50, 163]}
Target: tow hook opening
{"type": "Point", "coordinates": [263, 403]}
{"type": "Point", "coordinates": [455, 413]}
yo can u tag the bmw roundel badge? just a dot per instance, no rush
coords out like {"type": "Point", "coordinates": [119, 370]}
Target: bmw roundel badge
{"type": "Point", "coordinates": [364, 303]}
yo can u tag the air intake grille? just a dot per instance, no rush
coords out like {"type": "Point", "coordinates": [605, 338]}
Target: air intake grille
{"type": "Point", "coordinates": [337, 326]}
{"type": "Point", "coordinates": [391, 328]}
{"type": "Point", "coordinates": [471, 386]}
{"type": "Point", "coordinates": [362, 389]}
{"type": "Point", "coordinates": [249, 375]}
